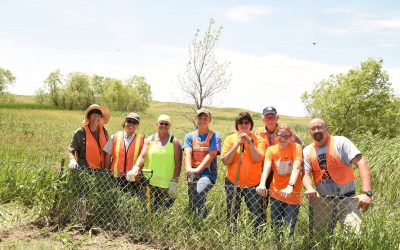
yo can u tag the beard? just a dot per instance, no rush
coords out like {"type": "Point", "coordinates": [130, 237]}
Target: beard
{"type": "Point", "coordinates": [318, 137]}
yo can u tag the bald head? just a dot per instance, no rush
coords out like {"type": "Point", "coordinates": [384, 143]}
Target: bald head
{"type": "Point", "coordinates": [318, 122]}
{"type": "Point", "coordinates": [318, 131]}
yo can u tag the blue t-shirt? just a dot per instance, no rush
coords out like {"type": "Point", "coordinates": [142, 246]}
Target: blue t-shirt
{"type": "Point", "coordinates": [215, 144]}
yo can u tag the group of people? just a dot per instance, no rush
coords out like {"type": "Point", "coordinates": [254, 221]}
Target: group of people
{"type": "Point", "coordinates": [270, 164]}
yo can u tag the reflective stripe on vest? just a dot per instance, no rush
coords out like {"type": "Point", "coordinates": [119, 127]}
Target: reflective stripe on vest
{"type": "Point", "coordinates": [123, 161]}
{"type": "Point", "coordinates": [200, 149]}
{"type": "Point", "coordinates": [94, 151]}
{"type": "Point", "coordinates": [340, 172]}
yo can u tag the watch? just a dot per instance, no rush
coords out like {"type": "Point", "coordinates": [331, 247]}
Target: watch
{"type": "Point", "coordinates": [368, 193]}
{"type": "Point", "coordinates": [251, 141]}
{"type": "Point", "coordinates": [291, 184]}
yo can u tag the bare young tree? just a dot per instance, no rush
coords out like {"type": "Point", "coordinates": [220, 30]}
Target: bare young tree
{"type": "Point", "coordinates": [204, 75]}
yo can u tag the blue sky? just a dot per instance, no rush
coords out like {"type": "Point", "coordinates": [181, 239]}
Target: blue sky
{"type": "Point", "coordinates": [269, 44]}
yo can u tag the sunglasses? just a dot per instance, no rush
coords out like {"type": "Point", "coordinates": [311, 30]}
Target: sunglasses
{"type": "Point", "coordinates": [132, 121]}
{"type": "Point", "coordinates": [163, 124]}
{"type": "Point", "coordinates": [283, 137]}
{"type": "Point", "coordinates": [244, 122]}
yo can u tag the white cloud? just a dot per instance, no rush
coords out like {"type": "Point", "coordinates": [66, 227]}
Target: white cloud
{"type": "Point", "coordinates": [246, 14]}
{"type": "Point", "coordinates": [363, 25]}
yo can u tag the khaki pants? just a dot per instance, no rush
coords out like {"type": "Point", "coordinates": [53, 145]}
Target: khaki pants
{"type": "Point", "coordinates": [327, 211]}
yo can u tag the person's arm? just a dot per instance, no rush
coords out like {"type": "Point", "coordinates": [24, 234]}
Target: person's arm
{"type": "Point", "coordinates": [293, 178]}
{"type": "Point", "coordinates": [72, 151]}
{"type": "Point", "coordinates": [229, 150]}
{"type": "Point", "coordinates": [205, 162]}
{"type": "Point", "coordinates": [177, 158]}
{"type": "Point", "coordinates": [261, 189]}
{"type": "Point", "coordinates": [365, 175]}
{"type": "Point", "coordinates": [310, 192]}
{"type": "Point", "coordinates": [142, 156]}
{"type": "Point", "coordinates": [256, 151]}
{"type": "Point", "coordinates": [108, 149]}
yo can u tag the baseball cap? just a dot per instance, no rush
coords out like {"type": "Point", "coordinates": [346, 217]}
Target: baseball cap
{"type": "Point", "coordinates": [164, 118]}
{"type": "Point", "coordinates": [133, 116]}
{"type": "Point", "coordinates": [269, 110]}
{"type": "Point", "coordinates": [203, 111]}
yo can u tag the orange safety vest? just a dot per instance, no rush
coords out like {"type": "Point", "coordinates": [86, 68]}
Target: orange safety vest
{"type": "Point", "coordinates": [94, 152]}
{"type": "Point", "coordinates": [200, 149]}
{"type": "Point", "coordinates": [260, 131]}
{"type": "Point", "coordinates": [340, 172]}
{"type": "Point", "coordinates": [123, 161]}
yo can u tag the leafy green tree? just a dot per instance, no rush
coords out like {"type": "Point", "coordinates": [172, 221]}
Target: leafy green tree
{"type": "Point", "coordinates": [6, 79]}
{"type": "Point", "coordinates": [204, 76]}
{"type": "Point", "coordinates": [357, 103]}
{"type": "Point", "coordinates": [77, 93]}
{"type": "Point", "coordinates": [133, 95]}
{"type": "Point", "coordinates": [140, 93]}
{"type": "Point", "coordinates": [53, 85]}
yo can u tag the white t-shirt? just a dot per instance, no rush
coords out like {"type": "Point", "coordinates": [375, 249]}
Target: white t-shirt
{"type": "Point", "coordinates": [346, 151]}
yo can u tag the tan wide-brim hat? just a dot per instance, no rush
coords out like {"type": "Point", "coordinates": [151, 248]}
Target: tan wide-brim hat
{"type": "Point", "coordinates": [104, 111]}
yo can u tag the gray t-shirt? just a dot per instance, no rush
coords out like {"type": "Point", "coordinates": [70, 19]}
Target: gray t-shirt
{"type": "Point", "coordinates": [346, 151]}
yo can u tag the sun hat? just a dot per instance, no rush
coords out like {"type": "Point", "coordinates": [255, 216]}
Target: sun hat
{"type": "Point", "coordinates": [105, 112]}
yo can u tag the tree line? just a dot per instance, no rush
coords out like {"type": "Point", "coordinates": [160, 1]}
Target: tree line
{"type": "Point", "coordinates": [79, 90]}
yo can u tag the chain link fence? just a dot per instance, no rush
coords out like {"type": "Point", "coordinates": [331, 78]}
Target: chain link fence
{"type": "Point", "coordinates": [202, 215]}
{"type": "Point", "coordinates": [209, 216]}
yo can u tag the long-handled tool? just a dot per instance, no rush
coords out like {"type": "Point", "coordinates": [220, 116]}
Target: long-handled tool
{"type": "Point", "coordinates": [233, 206]}
{"type": "Point", "coordinates": [148, 191]}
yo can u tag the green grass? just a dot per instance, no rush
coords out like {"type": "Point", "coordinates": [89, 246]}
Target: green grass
{"type": "Point", "coordinates": [34, 140]}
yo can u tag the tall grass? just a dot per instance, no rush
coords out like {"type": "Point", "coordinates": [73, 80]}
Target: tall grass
{"type": "Point", "coordinates": [35, 140]}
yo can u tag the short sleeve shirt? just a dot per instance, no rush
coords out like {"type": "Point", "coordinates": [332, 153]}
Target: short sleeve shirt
{"type": "Point", "coordinates": [346, 150]}
{"type": "Point", "coordinates": [215, 144]}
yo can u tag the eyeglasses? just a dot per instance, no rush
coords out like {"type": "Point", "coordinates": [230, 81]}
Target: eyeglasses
{"type": "Point", "coordinates": [244, 122]}
{"type": "Point", "coordinates": [163, 124]}
{"type": "Point", "coordinates": [132, 121]}
{"type": "Point", "coordinates": [283, 137]}
{"type": "Point", "coordinates": [319, 128]}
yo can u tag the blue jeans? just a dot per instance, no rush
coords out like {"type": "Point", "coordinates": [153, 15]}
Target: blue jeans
{"type": "Point", "coordinates": [197, 192]}
{"type": "Point", "coordinates": [253, 201]}
{"type": "Point", "coordinates": [283, 212]}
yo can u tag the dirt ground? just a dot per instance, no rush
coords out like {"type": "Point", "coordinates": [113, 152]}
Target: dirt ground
{"type": "Point", "coordinates": [19, 231]}
{"type": "Point", "coordinates": [32, 237]}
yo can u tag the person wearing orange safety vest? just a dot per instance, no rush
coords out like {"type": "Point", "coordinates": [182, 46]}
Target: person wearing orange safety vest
{"type": "Point", "coordinates": [201, 148]}
{"type": "Point", "coordinates": [328, 161]}
{"type": "Point", "coordinates": [122, 151]}
{"type": "Point", "coordinates": [270, 118]}
{"type": "Point", "coordinates": [85, 150]}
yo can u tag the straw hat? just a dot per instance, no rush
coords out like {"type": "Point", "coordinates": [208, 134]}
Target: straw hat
{"type": "Point", "coordinates": [104, 111]}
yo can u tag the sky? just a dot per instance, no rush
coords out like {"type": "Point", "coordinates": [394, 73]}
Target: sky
{"type": "Point", "coordinates": [276, 50]}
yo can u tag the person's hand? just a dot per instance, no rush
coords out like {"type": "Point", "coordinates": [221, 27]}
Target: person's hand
{"type": "Point", "coordinates": [311, 194]}
{"type": "Point", "coordinates": [262, 190]}
{"type": "Point", "coordinates": [364, 202]}
{"type": "Point", "coordinates": [133, 173]}
{"type": "Point", "coordinates": [287, 191]}
{"type": "Point", "coordinates": [242, 138]}
{"type": "Point", "coordinates": [73, 165]}
{"type": "Point", "coordinates": [173, 189]}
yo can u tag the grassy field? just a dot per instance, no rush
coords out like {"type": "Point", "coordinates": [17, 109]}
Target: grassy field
{"type": "Point", "coordinates": [34, 140]}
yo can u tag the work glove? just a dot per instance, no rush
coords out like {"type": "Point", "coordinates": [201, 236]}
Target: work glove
{"type": "Point", "coordinates": [173, 189]}
{"type": "Point", "coordinates": [133, 173]}
{"type": "Point", "coordinates": [73, 165]}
